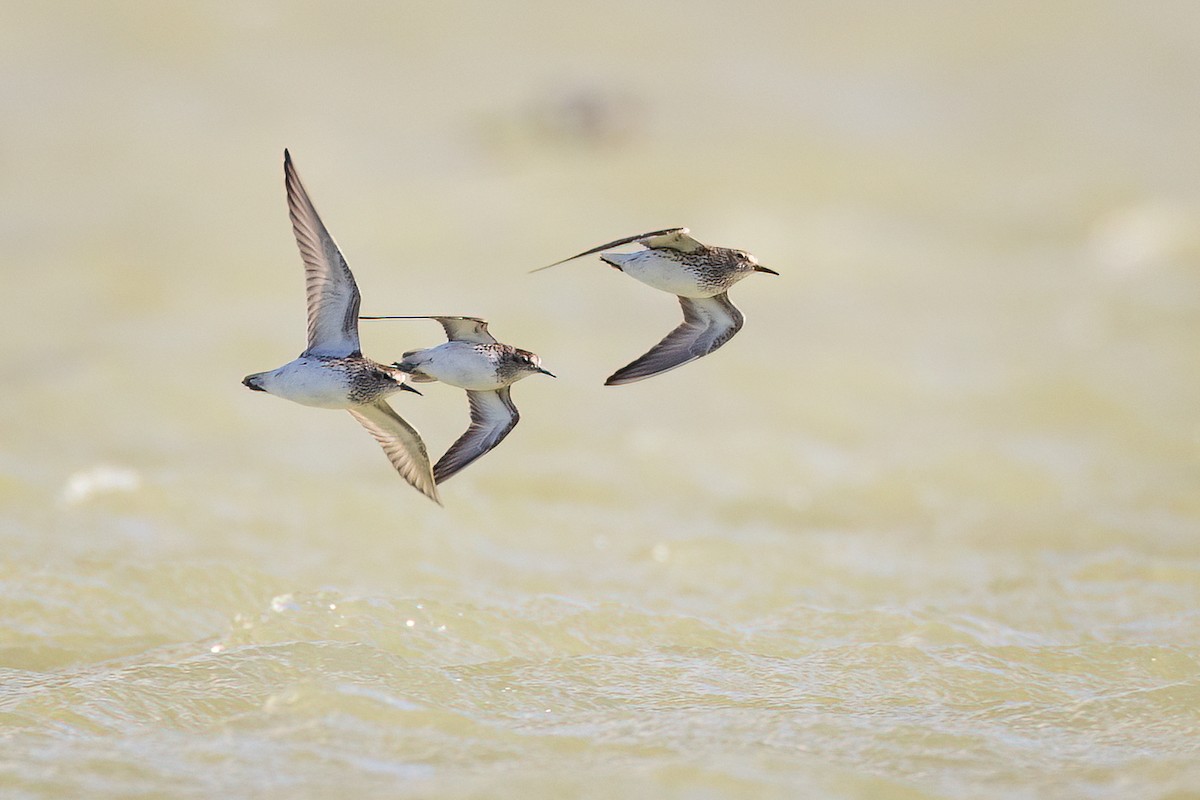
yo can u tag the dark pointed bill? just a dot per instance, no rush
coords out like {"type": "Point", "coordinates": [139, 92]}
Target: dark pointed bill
{"type": "Point", "coordinates": [616, 243]}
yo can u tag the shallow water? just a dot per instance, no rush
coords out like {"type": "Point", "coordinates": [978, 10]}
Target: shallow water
{"type": "Point", "coordinates": [928, 527]}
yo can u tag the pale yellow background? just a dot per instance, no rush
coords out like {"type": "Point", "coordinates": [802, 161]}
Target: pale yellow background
{"type": "Point", "coordinates": [928, 527]}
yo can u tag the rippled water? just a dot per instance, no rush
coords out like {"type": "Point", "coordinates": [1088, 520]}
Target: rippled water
{"type": "Point", "coordinates": [929, 527]}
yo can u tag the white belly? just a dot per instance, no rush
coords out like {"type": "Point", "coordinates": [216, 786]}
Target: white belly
{"type": "Point", "coordinates": [664, 274]}
{"type": "Point", "coordinates": [458, 364]}
{"type": "Point", "coordinates": [309, 382]}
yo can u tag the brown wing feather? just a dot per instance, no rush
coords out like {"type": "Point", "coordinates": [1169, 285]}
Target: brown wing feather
{"type": "Point", "coordinates": [493, 416]}
{"type": "Point", "coordinates": [707, 324]}
{"type": "Point", "coordinates": [466, 329]}
{"type": "Point", "coordinates": [616, 243]}
{"type": "Point", "coordinates": [333, 297]}
{"type": "Point", "coordinates": [402, 445]}
{"type": "Point", "coordinates": [458, 329]}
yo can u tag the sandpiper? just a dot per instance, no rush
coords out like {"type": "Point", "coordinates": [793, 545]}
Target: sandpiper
{"type": "Point", "coordinates": [472, 359]}
{"type": "Point", "coordinates": [332, 371]}
{"type": "Point", "coordinates": [700, 275]}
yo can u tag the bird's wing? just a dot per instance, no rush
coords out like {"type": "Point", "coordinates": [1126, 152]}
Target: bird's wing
{"type": "Point", "coordinates": [707, 324]}
{"type": "Point", "coordinates": [466, 329]}
{"type": "Point", "coordinates": [458, 329]}
{"type": "Point", "coordinates": [401, 443]}
{"type": "Point", "coordinates": [332, 294]}
{"type": "Point", "coordinates": [493, 415]}
{"type": "Point", "coordinates": [674, 238]}
{"type": "Point", "coordinates": [678, 239]}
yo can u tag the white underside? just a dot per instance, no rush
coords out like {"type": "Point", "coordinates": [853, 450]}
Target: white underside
{"type": "Point", "coordinates": [310, 382]}
{"type": "Point", "coordinates": [664, 274]}
{"type": "Point", "coordinates": [458, 364]}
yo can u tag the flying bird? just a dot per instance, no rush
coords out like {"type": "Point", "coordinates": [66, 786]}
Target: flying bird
{"type": "Point", "coordinates": [472, 359]}
{"type": "Point", "coordinates": [700, 275]}
{"type": "Point", "coordinates": [332, 372]}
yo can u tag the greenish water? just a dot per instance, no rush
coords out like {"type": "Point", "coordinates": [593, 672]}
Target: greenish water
{"type": "Point", "coordinates": [928, 527]}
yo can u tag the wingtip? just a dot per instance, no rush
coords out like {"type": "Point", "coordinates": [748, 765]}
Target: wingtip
{"type": "Point", "coordinates": [421, 316]}
{"type": "Point", "coordinates": [548, 266]}
{"type": "Point", "coordinates": [614, 243]}
{"type": "Point", "coordinates": [431, 493]}
{"type": "Point", "coordinates": [427, 485]}
{"type": "Point", "coordinates": [290, 174]}
{"type": "Point", "coordinates": [444, 470]}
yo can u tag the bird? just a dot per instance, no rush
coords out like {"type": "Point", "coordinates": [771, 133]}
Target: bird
{"type": "Point", "coordinates": [700, 275]}
{"type": "Point", "coordinates": [472, 359]}
{"type": "Point", "coordinates": [332, 372]}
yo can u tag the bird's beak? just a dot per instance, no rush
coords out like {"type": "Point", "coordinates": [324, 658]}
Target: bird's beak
{"type": "Point", "coordinates": [757, 268]}
{"type": "Point", "coordinates": [547, 372]}
{"type": "Point", "coordinates": [407, 387]}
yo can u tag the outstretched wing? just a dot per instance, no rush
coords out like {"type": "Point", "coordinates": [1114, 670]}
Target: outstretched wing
{"type": "Point", "coordinates": [677, 239]}
{"type": "Point", "coordinates": [493, 415]}
{"type": "Point", "coordinates": [673, 238]}
{"type": "Point", "coordinates": [707, 324]}
{"type": "Point", "coordinates": [466, 329]}
{"type": "Point", "coordinates": [332, 294]}
{"type": "Point", "coordinates": [458, 329]}
{"type": "Point", "coordinates": [401, 443]}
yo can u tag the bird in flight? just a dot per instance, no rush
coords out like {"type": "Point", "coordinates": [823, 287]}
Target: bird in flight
{"type": "Point", "coordinates": [472, 359]}
{"type": "Point", "coordinates": [700, 275]}
{"type": "Point", "coordinates": [332, 372]}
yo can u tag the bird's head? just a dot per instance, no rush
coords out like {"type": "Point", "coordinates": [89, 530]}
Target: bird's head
{"type": "Point", "coordinates": [748, 263]}
{"type": "Point", "coordinates": [529, 363]}
{"type": "Point", "coordinates": [397, 375]}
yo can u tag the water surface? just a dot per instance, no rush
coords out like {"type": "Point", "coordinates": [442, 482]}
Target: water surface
{"type": "Point", "coordinates": [928, 527]}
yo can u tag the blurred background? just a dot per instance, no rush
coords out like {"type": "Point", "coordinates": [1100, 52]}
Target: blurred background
{"type": "Point", "coordinates": [927, 527]}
